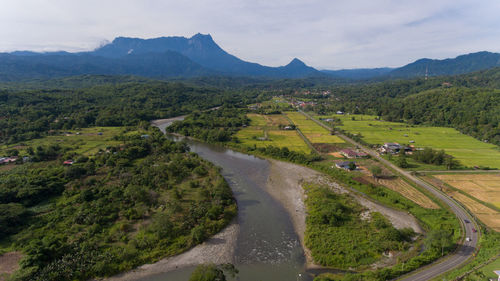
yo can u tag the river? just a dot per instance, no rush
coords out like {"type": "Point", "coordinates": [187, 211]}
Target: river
{"type": "Point", "coordinates": [267, 246]}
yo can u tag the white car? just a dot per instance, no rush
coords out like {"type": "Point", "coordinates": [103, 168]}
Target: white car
{"type": "Point", "coordinates": [468, 239]}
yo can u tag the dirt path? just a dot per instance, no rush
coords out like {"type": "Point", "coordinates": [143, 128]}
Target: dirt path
{"type": "Point", "coordinates": [285, 185]}
{"type": "Point", "coordinates": [218, 249]}
{"type": "Point", "coordinates": [9, 262]}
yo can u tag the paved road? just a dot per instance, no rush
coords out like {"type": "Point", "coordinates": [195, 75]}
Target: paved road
{"type": "Point", "coordinates": [465, 250]}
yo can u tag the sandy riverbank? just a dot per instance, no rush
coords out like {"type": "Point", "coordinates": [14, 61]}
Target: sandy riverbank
{"type": "Point", "coordinates": [218, 249]}
{"type": "Point", "coordinates": [285, 185]}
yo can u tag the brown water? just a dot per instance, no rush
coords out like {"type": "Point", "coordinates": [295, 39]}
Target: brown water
{"type": "Point", "coordinates": [267, 246]}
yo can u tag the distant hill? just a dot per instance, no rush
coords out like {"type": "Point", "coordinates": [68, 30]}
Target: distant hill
{"type": "Point", "coordinates": [164, 57]}
{"type": "Point", "coordinates": [359, 73]}
{"type": "Point", "coordinates": [459, 65]}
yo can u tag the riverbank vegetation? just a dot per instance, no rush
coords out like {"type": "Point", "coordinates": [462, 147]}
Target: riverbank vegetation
{"type": "Point", "coordinates": [133, 203]}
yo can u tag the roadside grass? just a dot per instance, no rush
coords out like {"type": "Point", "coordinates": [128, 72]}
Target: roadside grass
{"type": "Point", "coordinates": [468, 150]}
{"type": "Point", "coordinates": [314, 132]}
{"type": "Point", "coordinates": [262, 125]}
{"type": "Point", "coordinates": [488, 269]}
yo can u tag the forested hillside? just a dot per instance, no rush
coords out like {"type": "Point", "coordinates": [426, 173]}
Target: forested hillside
{"type": "Point", "coordinates": [30, 114]}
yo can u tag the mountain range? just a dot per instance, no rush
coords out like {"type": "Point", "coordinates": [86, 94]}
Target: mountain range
{"type": "Point", "coordinates": [179, 57]}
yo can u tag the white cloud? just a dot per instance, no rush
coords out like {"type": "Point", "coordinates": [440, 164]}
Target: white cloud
{"type": "Point", "coordinates": [324, 33]}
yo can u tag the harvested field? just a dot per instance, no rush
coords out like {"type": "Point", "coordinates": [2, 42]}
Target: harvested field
{"type": "Point", "coordinates": [326, 147]}
{"type": "Point", "coordinates": [485, 187]}
{"type": "Point", "coordinates": [488, 216]}
{"type": "Point", "coordinates": [405, 189]}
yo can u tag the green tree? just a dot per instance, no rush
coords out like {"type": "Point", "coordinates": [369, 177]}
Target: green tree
{"type": "Point", "coordinates": [439, 239]}
{"type": "Point", "coordinates": [207, 272]}
{"type": "Point", "coordinates": [401, 162]}
{"type": "Point", "coordinates": [376, 171]}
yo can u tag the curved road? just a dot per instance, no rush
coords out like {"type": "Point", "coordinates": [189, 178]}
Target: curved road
{"type": "Point", "coordinates": [464, 251]}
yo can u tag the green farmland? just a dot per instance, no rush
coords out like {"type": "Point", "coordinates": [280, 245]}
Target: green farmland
{"type": "Point", "coordinates": [468, 150]}
{"type": "Point", "coordinates": [314, 132]}
{"type": "Point", "coordinates": [262, 125]}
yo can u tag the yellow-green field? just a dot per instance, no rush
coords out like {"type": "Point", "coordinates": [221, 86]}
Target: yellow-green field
{"type": "Point", "coordinates": [314, 132]}
{"type": "Point", "coordinates": [262, 124]}
{"type": "Point", "coordinates": [87, 142]}
{"type": "Point", "coordinates": [468, 150]}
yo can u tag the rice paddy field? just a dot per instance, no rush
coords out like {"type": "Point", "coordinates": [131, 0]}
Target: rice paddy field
{"type": "Point", "coordinates": [88, 141]}
{"type": "Point", "coordinates": [313, 132]}
{"type": "Point", "coordinates": [468, 150]}
{"type": "Point", "coordinates": [268, 125]}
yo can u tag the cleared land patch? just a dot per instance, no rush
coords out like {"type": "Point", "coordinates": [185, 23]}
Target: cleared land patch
{"type": "Point", "coordinates": [314, 132]}
{"type": "Point", "coordinates": [468, 150]}
{"type": "Point", "coordinates": [262, 126]}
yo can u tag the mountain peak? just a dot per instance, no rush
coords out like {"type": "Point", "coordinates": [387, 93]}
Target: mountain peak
{"type": "Point", "coordinates": [296, 63]}
{"type": "Point", "coordinates": [200, 36]}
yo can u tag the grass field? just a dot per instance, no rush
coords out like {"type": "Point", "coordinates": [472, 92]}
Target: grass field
{"type": "Point", "coordinates": [87, 142]}
{"type": "Point", "coordinates": [261, 125]}
{"type": "Point", "coordinates": [468, 150]}
{"type": "Point", "coordinates": [314, 132]}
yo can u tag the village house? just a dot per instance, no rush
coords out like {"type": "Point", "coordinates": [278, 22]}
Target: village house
{"type": "Point", "coordinates": [390, 147]}
{"type": "Point", "coordinates": [349, 153]}
{"type": "Point", "coordinates": [395, 148]}
{"type": "Point", "coordinates": [68, 162]}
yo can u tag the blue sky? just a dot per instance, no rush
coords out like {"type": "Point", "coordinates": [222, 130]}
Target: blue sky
{"type": "Point", "coordinates": [326, 34]}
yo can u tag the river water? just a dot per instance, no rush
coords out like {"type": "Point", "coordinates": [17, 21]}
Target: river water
{"type": "Point", "coordinates": [267, 246]}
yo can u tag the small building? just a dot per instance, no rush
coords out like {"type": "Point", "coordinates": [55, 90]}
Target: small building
{"type": "Point", "coordinates": [352, 154]}
{"type": "Point", "coordinates": [340, 112]}
{"type": "Point", "coordinates": [391, 147]}
{"type": "Point", "coordinates": [68, 162]}
{"type": "Point", "coordinates": [346, 165]}
{"type": "Point", "coordinates": [144, 136]}
{"type": "Point", "coordinates": [288, 128]}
